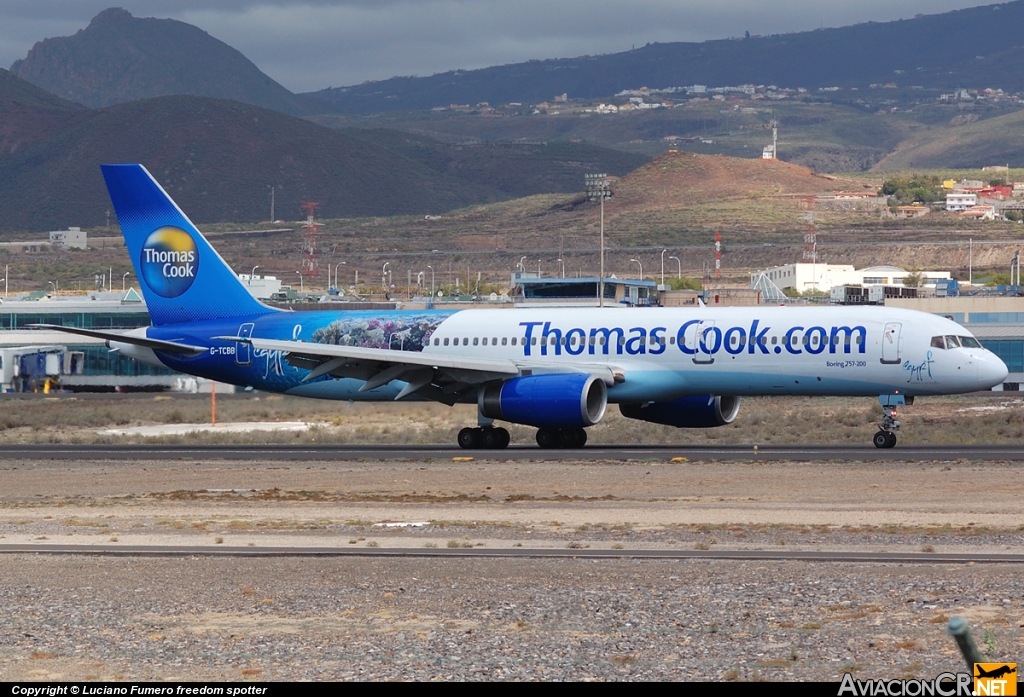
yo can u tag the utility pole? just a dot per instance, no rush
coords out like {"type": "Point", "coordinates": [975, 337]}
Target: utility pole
{"type": "Point", "coordinates": [970, 261]}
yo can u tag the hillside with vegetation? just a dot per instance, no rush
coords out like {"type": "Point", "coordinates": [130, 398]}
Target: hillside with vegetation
{"type": "Point", "coordinates": [921, 51]}
{"type": "Point", "coordinates": [219, 160]}
{"type": "Point", "coordinates": [119, 58]}
{"type": "Point", "coordinates": [30, 114]}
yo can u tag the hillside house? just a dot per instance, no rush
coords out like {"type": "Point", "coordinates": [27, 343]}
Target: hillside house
{"type": "Point", "coordinates": [911, 211]}
{"type": "Point", "coordinates": [960, 200]}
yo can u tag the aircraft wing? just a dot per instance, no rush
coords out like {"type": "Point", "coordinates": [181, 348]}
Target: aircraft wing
{"type": "Point", "coordinates": [156, 344]}
{"type": "Point", "coordinates": [435, 376]}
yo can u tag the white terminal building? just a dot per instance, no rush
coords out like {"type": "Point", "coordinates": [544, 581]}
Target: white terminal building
{"type": "Point", "coordinates": [261, 287]}
{"type": "Point", "coordinates": [823, 277]}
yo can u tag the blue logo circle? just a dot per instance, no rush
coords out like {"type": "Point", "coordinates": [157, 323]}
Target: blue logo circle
{"type": "Point", "coordinates": [169, 262]}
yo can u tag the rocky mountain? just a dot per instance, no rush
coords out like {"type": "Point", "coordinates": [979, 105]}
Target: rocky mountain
{"type": "Point", "coordinates": [119, 58]}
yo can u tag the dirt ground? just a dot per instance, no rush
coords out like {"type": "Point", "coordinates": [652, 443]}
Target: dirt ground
{"type": "Point", "coordinates": [204, 618]}
{"type": "Point", "coordinates": [201, 618]}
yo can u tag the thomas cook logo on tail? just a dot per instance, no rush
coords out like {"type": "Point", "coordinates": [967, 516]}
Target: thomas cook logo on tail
{"type": "Point", "coordinates": [170, 261]}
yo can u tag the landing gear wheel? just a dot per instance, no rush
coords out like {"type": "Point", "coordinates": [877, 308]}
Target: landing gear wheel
{"type": "Point", "coordinates": [489, 438]}
{"type": "Point", "coordinates": [505, 437]}
{"type": "Point", "coordinates": [547, 438]}
{"type": "Point", "coordinates": [581, 437]}
{"type": "Point", "coordinates": [884, 439]}
{"type": "Point", "coordinates": [568, 438]}
{"type": "Point", "coordinates": [469, 439]}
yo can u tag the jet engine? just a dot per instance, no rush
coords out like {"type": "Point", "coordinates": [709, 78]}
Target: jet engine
{"type": "Point", "coordinates": [571, 400]}
{"type": "Point", "coordinates": [686, 412]}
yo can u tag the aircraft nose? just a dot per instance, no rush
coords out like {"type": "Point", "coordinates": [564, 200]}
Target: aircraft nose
{"type": "Point", "coordinates": [991, 370]}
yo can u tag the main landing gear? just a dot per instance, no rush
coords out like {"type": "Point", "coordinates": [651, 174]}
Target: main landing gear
{"type": "Point", "coordinates": [561, 437]}
{"type": "Point", "coordinates": [486, 437]}
{"type": "Point", "coordinates": [885, 438]}
{"type": "Point", "coordinates": [491, 438]}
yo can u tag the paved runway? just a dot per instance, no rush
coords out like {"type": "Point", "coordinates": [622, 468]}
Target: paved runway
{"type": "Point", "coordinates": [286, 453]}
{"type": "Point", "coordinates": [517, 552]}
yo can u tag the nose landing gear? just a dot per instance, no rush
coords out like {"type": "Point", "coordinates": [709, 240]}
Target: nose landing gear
{"type": "Point", "coordinates": [885, 438]}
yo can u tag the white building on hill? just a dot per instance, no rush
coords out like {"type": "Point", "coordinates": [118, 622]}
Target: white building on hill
{"type": "Point", "coordinates": [823, 277]}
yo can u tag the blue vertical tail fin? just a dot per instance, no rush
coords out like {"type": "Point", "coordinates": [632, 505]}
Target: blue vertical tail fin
{"type": "Point", "coordinates": [183, 278]}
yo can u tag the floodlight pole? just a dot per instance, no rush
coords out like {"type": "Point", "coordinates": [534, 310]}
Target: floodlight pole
{"type": "Point", "coordinates": [597, 185]}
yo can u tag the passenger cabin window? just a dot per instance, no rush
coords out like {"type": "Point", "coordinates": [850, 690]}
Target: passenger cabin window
{"type": "Point", "coordinates": [504, 341]}
{"type": "Point", "coordinates": [446, 341]}
{"type": "Point", "coordinates": [476, 341]}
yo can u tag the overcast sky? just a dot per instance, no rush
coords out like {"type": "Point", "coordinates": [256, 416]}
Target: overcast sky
{"type": "Point", "coordinates": [313, 44]}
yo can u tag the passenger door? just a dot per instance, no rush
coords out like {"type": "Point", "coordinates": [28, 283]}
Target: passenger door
{"type": "Point", "coordinates": [892, 343]}
{"type": "Point", "coordinates": [243, 349]}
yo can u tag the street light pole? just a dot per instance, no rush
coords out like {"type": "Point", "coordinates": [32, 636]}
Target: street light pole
{"type": "Point", "coordinates": [336, 266]}
{"type": "Point", "coordinates": [301, 287]}
{"type": "Point", "coordinates": [679, 272]}
{"type": "Point", "coordinates": [641, 268]}
{"type": "Point", "coordinates": [563, 266]}
{"type": "Point", "coordinates": [253, 273]}
{"type": "Point", "coordinates": [431, 282]}
{"type": "Point", "coordinates": [123, 278]}
{"type": "Point", "coordinates": [663, 266]}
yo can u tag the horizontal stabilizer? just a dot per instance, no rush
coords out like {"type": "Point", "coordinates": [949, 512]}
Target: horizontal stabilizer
{"type": "Point", "coordinates": [155, 344]}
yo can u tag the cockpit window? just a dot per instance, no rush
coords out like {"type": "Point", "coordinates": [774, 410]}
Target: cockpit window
{"type": "Point", "coordinates": [952, 342]}
{"type": "Point", "coordinates": [969, 342]}
{"type": "Point", "coordinates": [939, 342]}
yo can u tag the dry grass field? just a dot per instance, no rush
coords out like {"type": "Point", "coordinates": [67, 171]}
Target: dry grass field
{"type": "Point", "coordinates": [993, 418]}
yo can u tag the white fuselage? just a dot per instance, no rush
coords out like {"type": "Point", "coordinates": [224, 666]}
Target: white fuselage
{"type": "Point", "coordinates": [664, 353]}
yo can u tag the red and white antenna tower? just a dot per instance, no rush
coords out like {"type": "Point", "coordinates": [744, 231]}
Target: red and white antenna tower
{"type": "Point", "coordinates": [309, 259]}
{"type": "Point", "coordinates": [718, 255]}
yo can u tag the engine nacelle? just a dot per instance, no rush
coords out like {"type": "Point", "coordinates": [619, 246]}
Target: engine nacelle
{"type": "Point", "coordinates": [559, 400]}
{"type": "Point", "coordinates": [686, 412]}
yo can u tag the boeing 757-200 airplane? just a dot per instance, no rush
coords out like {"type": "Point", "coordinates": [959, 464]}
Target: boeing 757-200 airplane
{"type": "Point", "coordinates": [554, 369]}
